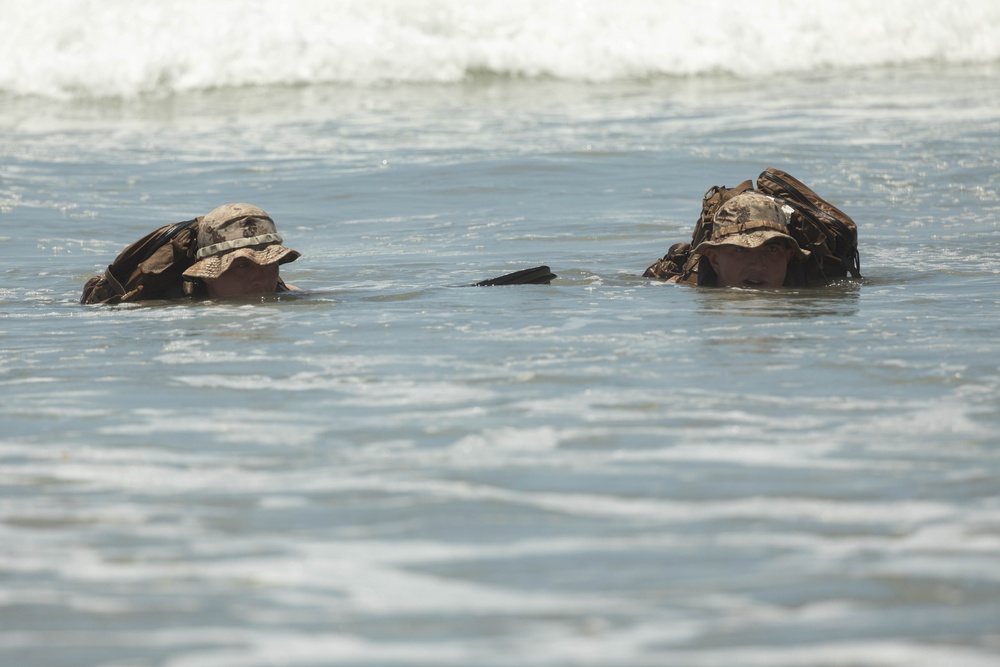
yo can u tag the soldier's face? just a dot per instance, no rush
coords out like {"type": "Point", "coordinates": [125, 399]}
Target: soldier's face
{"type": "Point", "coordinates": [243, 278]}
{"type": "Point", "coordinates": [761, 267]}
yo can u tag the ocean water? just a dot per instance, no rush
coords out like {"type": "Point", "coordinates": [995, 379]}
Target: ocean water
{"type": "Point", "coordinates": [393, 467]}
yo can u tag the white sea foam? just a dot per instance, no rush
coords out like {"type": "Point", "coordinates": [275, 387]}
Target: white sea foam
{"type": "Point", "coordinates": [66, 48]}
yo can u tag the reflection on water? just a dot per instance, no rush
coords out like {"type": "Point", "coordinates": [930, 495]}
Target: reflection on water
{"type": "Point", "coordinates": [836, 300]}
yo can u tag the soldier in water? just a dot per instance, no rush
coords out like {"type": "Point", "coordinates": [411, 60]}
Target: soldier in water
{"type": "Point", "coordinates": [233, 252]}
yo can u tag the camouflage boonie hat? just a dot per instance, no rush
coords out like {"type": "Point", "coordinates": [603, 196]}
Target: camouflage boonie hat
{"type": "Point", "coordinates": [233, 231]}
{"type": "Point", "coordinates": [749, 220]}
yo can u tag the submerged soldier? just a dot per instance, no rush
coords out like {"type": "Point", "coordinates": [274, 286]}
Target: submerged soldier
{"type": "Point", "coordinates": [232, 252]}
{"type": "Point", "coordinates": [780, 234]}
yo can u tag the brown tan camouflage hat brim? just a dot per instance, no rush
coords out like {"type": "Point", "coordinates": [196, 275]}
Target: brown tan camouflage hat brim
{"type": "Point", "coordinates": [233, 231]}
{"type": "Point", "coordinates": [750, 220]}
{"type": "Point", "coordinates": [216, 265]}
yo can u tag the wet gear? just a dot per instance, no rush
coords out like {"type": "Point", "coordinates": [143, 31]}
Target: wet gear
{"type": "Point", "coordinates": [828, 234]}
{"type": "Point", "coordinates": [150, 268]}
{"type": "Point", "coordinates": [537, 275]}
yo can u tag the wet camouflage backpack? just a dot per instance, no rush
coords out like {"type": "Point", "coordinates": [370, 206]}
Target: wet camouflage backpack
{"type": "Point", "coordinates": [818, 226]}
{"type": "Point", "coordinates": [150, 268]}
